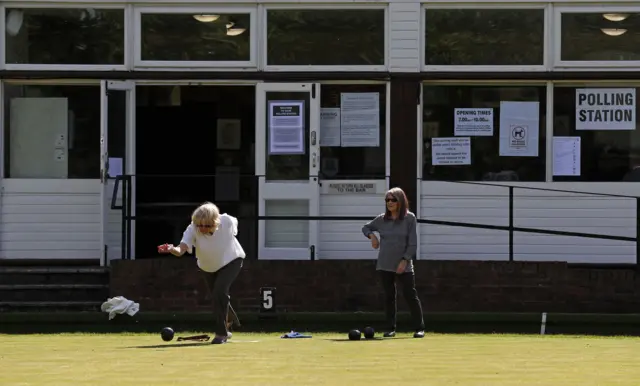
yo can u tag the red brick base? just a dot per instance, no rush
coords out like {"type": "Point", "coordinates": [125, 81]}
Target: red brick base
{"type": "Point", "coordinates": [174, 284]}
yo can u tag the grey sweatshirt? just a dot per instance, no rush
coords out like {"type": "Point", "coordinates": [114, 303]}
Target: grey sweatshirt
{"type": "Point", "coordinates": [398, 240]}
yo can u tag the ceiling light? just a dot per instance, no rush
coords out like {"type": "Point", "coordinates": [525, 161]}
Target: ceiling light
{"type": "Point", "coordinates": [206, 18]}
{"type": "Point", "coordinates": [234, 30]}
{"type": "Point", "coordinates": [613, 31]}
{"type": "Point", "coordinates": [615, 16]}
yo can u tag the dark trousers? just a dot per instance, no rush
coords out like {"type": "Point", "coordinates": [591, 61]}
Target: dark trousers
{"type": "Point", "coordinates": [408, 282]}
{"type": "Point", "coordinates": [219, 284]}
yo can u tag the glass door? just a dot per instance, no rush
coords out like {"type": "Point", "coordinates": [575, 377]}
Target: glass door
{"type": "Point", "coordinates": [115, 126]}
{"type": "Point", "coordinates": [287, 163]}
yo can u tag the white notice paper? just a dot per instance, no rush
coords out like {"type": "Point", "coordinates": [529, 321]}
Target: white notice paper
{"type": "Point", "coordinates": [566, 156]}
{"type": "Point", "coordinates": [477, 122]}
{"type": "Point", "coordinates": [451, 151]}
{"type": "Point", "coordinates": [606, 109]}
{"type": "Point", "coordinates": [360, 119]}
{"type": "Point", "coordinates": [519, 129]}
{"type": "Point", "coordinates": [330, 127]}
{"type": "Point", "coordinates": [286, 127]}
{"type": "Point", "coordinates": [115, 167]}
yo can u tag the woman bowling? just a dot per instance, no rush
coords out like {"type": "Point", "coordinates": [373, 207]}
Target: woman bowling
{"type": "Point", "coordinates": [398, 240]}
{"type": "Point", "coordinates": [219, 255]}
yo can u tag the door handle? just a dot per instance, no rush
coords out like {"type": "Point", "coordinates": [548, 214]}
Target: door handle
{"type": "Point", "coordinates": [313, 138]}
{"type": "Point", "coordinates": [313, 160]}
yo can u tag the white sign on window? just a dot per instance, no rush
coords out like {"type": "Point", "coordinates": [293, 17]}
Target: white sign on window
{"type": "Point", "coordinates": [519, 129]}
{"type": "Point", "coordinates": [330, 127]}
{"type": "Point", "coordinates": [606, 109]}
{"type": "Point", "coordinates": [478, 122]}
{"type": "Point", "coordinates": [451, 151]}
{"type": "Point", "coordinates": [566, 156]}
{"type": "Point", "coordinates": [286, 127]}
{"type": "Point", "coordinates": [360, 119]}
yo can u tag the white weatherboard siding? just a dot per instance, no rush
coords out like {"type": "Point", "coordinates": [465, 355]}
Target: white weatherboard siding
{"type": "Point", "coordinates": [404, 37]}
{"type": "Point", "coordinates": [56, 219]}
{"type": "Point", "coordinates": [571, 212]}
{"type": "Point", "coordinates": [344, 239]}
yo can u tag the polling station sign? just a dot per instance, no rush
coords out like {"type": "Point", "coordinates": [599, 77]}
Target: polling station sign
{"type": "Point", "coordinates": [606, 109]}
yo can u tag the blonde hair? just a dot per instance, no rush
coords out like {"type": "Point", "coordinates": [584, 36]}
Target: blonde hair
{"type": "Point", "coordinates": [207, 213]}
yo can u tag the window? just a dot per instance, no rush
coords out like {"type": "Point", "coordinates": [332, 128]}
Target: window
{"type": "Point", "coordinates": [604, 118]}
{"type": "Point", "coordinates": [52, 131]}
{"type": "Point", "coordinates": [484, 37]}
{"type": "Point", "coordinates": [70, 36]}
{"type": "Point", "coordinates": [494, 137]}
{"type": "Point", "coordinates": [222, 37]}
{"type": "Point", "coordinates": [599, 36]}
{"type": "Point", "coordinates": [353, 131]}
{"type": "Point", "coordinates": [326, 37]}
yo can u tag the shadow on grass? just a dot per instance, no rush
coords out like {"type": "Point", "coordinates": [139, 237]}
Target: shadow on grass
{"type": "Point", "coordinates": [173, 345]}
{"type": "Point", "coordinates": [367, 340]}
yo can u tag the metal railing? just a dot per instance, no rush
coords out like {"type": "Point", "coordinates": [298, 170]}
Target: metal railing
{"type": "Point", "coordinates": [128, 218]}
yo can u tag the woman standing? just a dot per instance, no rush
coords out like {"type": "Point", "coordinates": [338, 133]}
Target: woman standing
{"type": "Point", "coordinates": [398, 241]}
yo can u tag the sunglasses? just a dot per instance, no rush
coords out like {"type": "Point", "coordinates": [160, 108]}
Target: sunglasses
{"type": "Point", "coordinates": [204, 226]}
{"type": "Point", "coordinates": [390, 200]}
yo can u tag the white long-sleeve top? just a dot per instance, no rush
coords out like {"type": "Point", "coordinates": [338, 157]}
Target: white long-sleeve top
{"type": "Point", "coordinates": [217, 250]}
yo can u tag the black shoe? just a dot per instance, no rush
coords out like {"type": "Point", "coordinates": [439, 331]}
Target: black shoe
{"type": "Point", "coordinates": [419, 334]}
{"type": "Point", "coordinates": [389, 334]}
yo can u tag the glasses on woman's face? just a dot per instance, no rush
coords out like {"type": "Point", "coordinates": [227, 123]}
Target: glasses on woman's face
{"type": "Point", "coordinates": [390, 199]}
{"type": "Point", "coordinates": [206, 226]}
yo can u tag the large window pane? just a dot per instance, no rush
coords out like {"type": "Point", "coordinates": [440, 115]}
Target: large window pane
{"type": "Point", "coordinates": [486, 162]}
{"type": "Point", "coordinates": [609, 139]}
{"type": "Point", "coordinates": [52, 131]}
{"type": "Point", "coordinates": [355, 149]}
{"type": "Point", "coordinates": [498, 37]}
{"type": "Point", "coordinates": [325, 37]}
{"type": "Point", "coordinates": [600, 36]}
{"type": "Point", "coordinates": [64, 36]}
{"type": "Point", "coordinates": [187, 37]}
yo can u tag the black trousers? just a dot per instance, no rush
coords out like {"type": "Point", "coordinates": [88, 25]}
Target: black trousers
{"type": "Point", "coordinates": [407, 281]}
{"type": "Point", "coordinates": [219, 284]}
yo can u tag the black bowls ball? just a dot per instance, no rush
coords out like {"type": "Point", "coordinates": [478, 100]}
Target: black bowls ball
{"type": "Point", "coordinates": [355, 335]}
{"type": "Point", "coordinates": [369, 333]}
{"type": "Point", "coordinates": [167, 334]}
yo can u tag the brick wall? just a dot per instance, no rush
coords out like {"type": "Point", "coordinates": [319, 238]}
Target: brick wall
{"type": "Point", "coordinates": [166, 284]}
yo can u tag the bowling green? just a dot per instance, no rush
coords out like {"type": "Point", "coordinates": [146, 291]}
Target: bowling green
{"type": "Point", "coordinates": [325, 359]}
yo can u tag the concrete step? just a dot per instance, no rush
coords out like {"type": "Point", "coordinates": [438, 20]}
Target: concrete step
{"type": "Point", "coordinates": [50, 306]}
{"type": "Point", "coordinates": [53, 292]}
{"type": "Point", "coordinates": [53, 275]}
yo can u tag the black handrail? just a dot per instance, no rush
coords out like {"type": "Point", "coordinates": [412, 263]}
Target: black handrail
{"type": "Point", "coordinates": [127, 217]}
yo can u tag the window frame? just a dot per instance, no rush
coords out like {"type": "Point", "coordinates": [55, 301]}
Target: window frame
{"type": "Point", "coordinates": [546, 59]}
{"type": "Point", "coordinates": [584, 83]}
{"type": "Point", "coordinates": [337, 67]}
{"type": "Point", "coordinates": [33, 82]}
{"type": "Point", "coordinates": [67, 67]}
{"type": "Point", "coordinates": [154, 65]}
{"type": "Point", "coordinates": [560, 65]}
{"type": "Point", "coordinates": [549, 87]}
{"type": "Point", "coordinates": [387, 131]}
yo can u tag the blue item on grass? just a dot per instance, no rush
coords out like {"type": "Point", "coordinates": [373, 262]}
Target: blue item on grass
{"type": "Point", "coordinates": [294, 334]}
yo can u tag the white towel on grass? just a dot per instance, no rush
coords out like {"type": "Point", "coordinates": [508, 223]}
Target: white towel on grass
{"type": "Point", "coordinates": [120, 305]}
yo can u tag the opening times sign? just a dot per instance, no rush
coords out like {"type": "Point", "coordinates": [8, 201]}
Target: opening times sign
{"type": "Point", "coordinates": [606, 109]}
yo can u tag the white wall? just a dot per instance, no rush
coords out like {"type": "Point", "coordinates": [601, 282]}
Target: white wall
{"type": "Point", "coordinates": [56, 219]}
{"type": "Point", "coordinates": [341, 239]}
{"type": "Point", "coordinates": [570, 212]}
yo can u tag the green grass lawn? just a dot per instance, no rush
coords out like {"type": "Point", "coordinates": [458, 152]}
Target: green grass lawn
{"type": "Point", "coordinates": [326, 359]}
